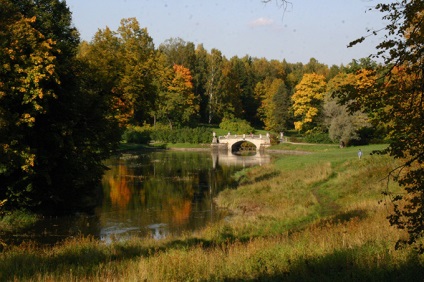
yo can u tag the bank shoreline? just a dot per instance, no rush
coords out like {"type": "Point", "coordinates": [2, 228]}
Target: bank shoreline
{"type": "Point", "coordinates": [128, 148]}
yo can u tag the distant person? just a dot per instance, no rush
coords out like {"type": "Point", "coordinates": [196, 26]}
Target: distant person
{"type": "Point", "coordinates": [359, 154]}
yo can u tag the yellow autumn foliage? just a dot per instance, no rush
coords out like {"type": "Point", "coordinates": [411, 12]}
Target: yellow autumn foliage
{"type": "Point", "coordinates": [308, 99]}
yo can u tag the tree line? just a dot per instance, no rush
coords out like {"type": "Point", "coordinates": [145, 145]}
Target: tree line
{"type": "Point", "coordinates": [180, 84]}
{"type": "Point", "coordinates": [64, 104]}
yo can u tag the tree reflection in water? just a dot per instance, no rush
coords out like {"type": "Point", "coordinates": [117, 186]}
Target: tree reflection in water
{"type": "Point", "coordinates": [151, 194]}
{"type": "Point", "coordinates": [160, 191]}
{"type": "Point", "coordinates": [167, 192]}
{"type": "Point", "coordinates": [119, 194]}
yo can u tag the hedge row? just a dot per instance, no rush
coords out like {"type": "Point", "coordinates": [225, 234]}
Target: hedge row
{"type": "Point", "coordinates": [144, 135]}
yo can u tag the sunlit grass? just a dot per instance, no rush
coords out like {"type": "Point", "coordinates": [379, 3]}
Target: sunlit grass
{"type": "Point", "coordinates": [322, 154]}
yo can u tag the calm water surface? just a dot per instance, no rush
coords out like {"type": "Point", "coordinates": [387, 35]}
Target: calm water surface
{"type": "Point", "coordinates": [152, 194]}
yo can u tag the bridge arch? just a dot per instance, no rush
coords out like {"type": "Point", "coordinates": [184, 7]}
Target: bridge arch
{"type": "Point", "coordinates": [260, 141]}
{"type": "Point", "coordinates": [238, 144]}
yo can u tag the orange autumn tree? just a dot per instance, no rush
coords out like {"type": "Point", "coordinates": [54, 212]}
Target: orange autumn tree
{"type": "Point", "coordinates": [178, 105]}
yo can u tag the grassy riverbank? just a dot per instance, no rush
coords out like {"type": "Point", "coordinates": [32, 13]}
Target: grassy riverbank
{"type": "Point", "coordinates": [315, 217]}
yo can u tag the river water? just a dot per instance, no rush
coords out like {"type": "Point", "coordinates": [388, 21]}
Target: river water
{"type": "Point", "coordinates": [152, 194]}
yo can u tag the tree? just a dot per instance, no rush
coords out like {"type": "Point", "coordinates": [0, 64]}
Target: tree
{"type": "Point", "coordinates": [233, 87]}
{"type": "Point", "coordinates": [361, 64]}
{"type": "Point", "coordinates": [307, 101]}
{"type": "Point", "coordinates": [274, 107]}
{"type": "Point", "coordinates": [126, 65]}
{"type": "Point", "coordinates": [178, 104]}
{"type": "Point", "coordinates": [29, 65]}
{"type": "Point", "coordinates": [179, 52]}
{"type": "Point", "coordinates": [55, 129]}
{"type": "Point", "coordinates": [265, 69]}
{"type": "Point", "coordinates": [214, 86]}
{"type": "Point", "coordinates": [294, 75]}
{"type": "Point", "coordinates": [282, 114]}
{"type": "Point", "coordinates": [343, 126]}
{"type": "Point", "coordinates": [200, 81]}
{"type": "Point", "coordinates": [247, 81]}
{"type": "Point", "coordinates": [313, 66]}
{"type": "Point", "coordinates": [103, 55]}
{"type": "Point", "coordinates": [398, 102]}
{"type": "Point", "coordinates": [137, 80]}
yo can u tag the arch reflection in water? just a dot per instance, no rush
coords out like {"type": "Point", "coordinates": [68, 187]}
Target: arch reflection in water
{"type": "Point", "coordinates": [227, 158]}
{"type": "Point", "coordinates": [159, 231]}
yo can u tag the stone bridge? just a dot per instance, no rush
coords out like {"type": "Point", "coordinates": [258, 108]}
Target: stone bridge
{"type": "Point", "coordinates": [260, 141]}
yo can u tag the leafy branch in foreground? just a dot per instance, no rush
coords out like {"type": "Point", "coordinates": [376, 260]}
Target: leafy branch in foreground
{"type": "Point", "coordinates": [397, 104]}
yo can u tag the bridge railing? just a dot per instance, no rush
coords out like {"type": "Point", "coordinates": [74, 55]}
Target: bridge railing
{"type": "Point", "coordinates": [243, 136]}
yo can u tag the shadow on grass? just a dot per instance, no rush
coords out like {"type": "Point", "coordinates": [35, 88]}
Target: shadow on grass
{"type": "Point", "coordinates": [242, 179]}
{"type": "Point", "coordinates": [267, 176]}
{"type": "Point", "coordinates": [344, 217]}
{"type": "Point", "coordinates": [345, 265]}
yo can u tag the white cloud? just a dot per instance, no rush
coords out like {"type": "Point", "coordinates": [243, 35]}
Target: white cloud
{"type": "Point", "coordinates": [261, 22]}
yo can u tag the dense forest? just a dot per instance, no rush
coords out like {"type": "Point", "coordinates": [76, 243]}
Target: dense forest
{"type": "Point", "coordinates": [65, 104]}
{"type": "Point", "coordinates": [179, 84]}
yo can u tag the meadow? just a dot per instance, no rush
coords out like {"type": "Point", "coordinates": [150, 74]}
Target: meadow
{"type": "Point", "coordinates": [321, 216]}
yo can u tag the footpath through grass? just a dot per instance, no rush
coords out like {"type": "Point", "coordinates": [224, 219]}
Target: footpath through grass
{"type": "Point", "coordinates": [315, 217]}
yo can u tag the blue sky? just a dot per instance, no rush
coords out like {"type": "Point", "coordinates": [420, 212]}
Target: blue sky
{"type": "Point", "coordinates": [308, 28]}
